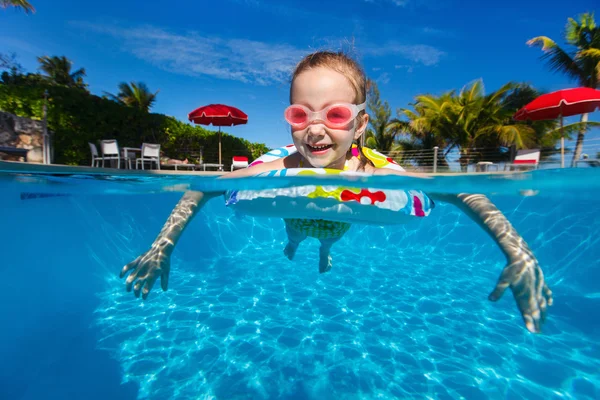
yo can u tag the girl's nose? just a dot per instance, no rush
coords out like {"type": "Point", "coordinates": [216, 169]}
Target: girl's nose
{"type": "Point", "coordinates": [316, 129]}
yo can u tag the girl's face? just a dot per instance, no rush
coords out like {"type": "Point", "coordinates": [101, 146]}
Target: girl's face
{"type": "Point", "coordinates": [321, 146]}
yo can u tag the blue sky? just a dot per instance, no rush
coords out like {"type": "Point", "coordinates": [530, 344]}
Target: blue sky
{"type": "Point", "coordinates": [241, 52]}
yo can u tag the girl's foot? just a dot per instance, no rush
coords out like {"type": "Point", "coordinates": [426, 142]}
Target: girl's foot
{"type": "Point", "coordinates": [324, 263]}
{"type": "Point", "coordinates": [290, 250]}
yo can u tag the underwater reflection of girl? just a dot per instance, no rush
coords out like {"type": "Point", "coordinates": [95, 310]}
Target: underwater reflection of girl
{"type": "Point", "coordinates": [327, 116]}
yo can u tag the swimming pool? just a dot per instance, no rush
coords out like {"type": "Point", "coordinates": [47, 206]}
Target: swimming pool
{"type": "Point", "coordinates": [403, 313]}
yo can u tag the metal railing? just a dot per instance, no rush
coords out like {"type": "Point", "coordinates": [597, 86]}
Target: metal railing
{"type": "Point", "coordinates": [438, 160]}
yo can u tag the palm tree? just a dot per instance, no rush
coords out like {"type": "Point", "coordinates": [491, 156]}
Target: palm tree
{"type": "Point", "coordinates": [24, 4]}
{"type": "Point", "coordinates": [467, 120]}
{"type": "Point", "coordinates": [580, 63]}
{"type": "Point", "coordinates": [58, 71]}
{"type": "Point", "coordinates": [421, 135]}
{"type": "Point", "coordinates": [135, 95]}
{"type": "Point", "coordinates": [380, 135]}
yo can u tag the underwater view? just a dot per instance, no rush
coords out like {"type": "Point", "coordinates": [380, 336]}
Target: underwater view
{"type": "Point", "coordinates": [402, 314]}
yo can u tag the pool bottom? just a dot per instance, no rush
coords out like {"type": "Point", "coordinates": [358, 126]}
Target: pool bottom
{"type": "Point", "coordinates": [254, 325]}
{"type": "Point", "coordinates": [404, 312]}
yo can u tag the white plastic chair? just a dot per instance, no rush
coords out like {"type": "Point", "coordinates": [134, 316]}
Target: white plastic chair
{"type": "Point", "coordinates": [150, 153]}
{"type": "Point", "coordinates": [110, 151]}
{"type": "Point", "coordinates": [95, 157]}
{"type": "Point", "coordinates": [239, 162]}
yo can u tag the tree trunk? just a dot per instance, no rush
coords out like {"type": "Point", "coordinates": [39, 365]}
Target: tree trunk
{"type": "Point", "coordinates": [579, 144]}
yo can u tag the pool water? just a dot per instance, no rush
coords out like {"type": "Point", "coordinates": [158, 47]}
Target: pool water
{"type": "Point", "coordinates": [403, 313]}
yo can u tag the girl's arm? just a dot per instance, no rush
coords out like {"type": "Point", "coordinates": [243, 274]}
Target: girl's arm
{"type": "Point", "coordinates": [522, 273]}
{"type": "Point", "coordinates": [156, 262]}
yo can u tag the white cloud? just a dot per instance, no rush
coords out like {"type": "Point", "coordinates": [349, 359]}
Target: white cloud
{"type": "Point", "coordinates": [399, 3]}
{"type": "Point", "coordinates": [408, 68]}
{"type": "Point", "coordinates": [243, 60]}
{"type": "Point", "coordinates": [432, 31]}
{"type": "Point", "coordinates": [418, 53]}
{"type": "Point", "coordinates": [195, 54]}
{"type": "Point", "coordinates": [384, 78]}
{"type": "Point", "coordinates": [19, 46]}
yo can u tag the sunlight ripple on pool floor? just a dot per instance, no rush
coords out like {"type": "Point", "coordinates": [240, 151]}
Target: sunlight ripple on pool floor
{"type": "Point", "coordinates": [411, 323]}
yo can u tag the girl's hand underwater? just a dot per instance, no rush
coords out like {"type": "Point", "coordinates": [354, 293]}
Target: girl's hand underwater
{"type": "Point", "coordinates": [156, 262]}
{"type": "Point", "coordinates": [526, 280]}
{"type": "Point", "coordinates": [147, 268]}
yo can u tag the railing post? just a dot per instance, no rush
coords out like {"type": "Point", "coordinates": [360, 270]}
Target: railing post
{"type": "Point", "coordinates": [435, 154]}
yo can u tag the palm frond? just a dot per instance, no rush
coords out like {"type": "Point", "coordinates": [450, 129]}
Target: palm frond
{"type": "Point", "coordinates": [558, 59]}
{"type": "Point", "coordinates": [591, 52]}
{"type": "Point", "coordinates": [499, 94]}
{"type": "Point", "coordinates": [371, 142]}
{"type": "Point", "coordinates": [579, 33]}
{"type": "Point", "coordinates": [111, 96]}
{"type": "Point", "coordinates": [58, 71]}
{"type": "Point", "coordinates": [23, 4]}
{"type": "Point", "coordinates": [79, 74]}
{"type": "Point", "coordinates": [573, 128]}
{"type": "Point", "coordinates": [545, 42]}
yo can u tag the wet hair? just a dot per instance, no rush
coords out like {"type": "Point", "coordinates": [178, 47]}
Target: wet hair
{"type": "Point", "coordinates": [345, 65]}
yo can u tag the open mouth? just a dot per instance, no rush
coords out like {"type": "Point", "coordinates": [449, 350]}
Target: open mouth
{"type": "Point", "coordinates": [319, 149]}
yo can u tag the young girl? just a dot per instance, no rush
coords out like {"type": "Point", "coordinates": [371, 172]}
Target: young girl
{"type": "Point", "coordinates": [323, 81]}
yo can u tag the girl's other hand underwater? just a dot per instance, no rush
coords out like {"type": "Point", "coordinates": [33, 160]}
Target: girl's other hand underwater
{"type": "Point", "coordinates": [146, 269]}
{"type": "Point", "coordinates": [525, 278]}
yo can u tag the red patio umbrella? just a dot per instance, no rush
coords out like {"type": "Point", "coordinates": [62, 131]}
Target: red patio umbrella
{"type": "Point", "coordinates": [559, 104]}
{"type": "Point", "coordinates": [218, 115]}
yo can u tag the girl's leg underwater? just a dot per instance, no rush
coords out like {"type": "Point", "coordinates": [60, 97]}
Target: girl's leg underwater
{"type": "Point", "coordinates": [324, 254]}
{"type": "Point", "coordinates": [294, 240]}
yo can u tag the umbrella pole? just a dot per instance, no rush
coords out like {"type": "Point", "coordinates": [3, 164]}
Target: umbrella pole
{"type": "Point", "coordinates": [220, 148]}
{"type": "Point", "coordinates": [562, 143]}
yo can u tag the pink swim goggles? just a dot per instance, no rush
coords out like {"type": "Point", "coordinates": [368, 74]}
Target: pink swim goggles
{"type": "Point", "coordinates": [335, 116]}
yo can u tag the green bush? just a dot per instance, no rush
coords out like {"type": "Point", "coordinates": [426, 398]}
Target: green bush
{"type": "Point", "coordinates": [77, 117]}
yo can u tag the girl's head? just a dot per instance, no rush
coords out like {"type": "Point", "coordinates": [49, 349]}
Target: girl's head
{"type": "Point", "coordinates": [320, 80]}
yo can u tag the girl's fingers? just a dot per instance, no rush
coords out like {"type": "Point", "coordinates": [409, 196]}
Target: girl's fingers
{"type": "Point", "coordinates": [164, 280]}
{"type": "Point", "coordinates": [137, 287]}
{"type": "Point", "coordinates": [548, 294]}
{"type": "Point", "coordinates": [129, 281]}
{"type": "Point", "coordinates": [498, 290]}
{"type": "Point", "coordinates": [129, 267]}
{"type": "Point", "coordinates": [148, 287]}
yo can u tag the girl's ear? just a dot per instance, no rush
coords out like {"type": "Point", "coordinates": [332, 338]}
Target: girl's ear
{"type": "Point", "coordinates": [363, 122]}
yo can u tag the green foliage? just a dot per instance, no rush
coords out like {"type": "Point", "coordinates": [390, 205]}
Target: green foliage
{"type": "Point", "coordinates": [58, 71]}
{"type": "Point", "coordinates": [471, 119]}
{"type": "Point", "coordinates": [77, 117]}
{"type": "Point", "coordinates": [134, 95]}
{"type": "Point", "coordinates": [22, 4]}
{"type": "Point", "coordinates": [9, 62]}
{"type": "Point", "coordinates": [381, 134]}
{"type": "Point", "coordinates": [580, 62]}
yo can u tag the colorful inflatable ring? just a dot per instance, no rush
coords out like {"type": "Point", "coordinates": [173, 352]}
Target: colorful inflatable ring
{"type": "Point", "coordinates": [333, 203]}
